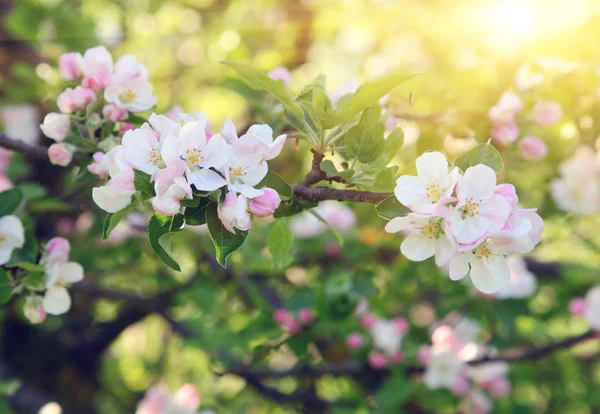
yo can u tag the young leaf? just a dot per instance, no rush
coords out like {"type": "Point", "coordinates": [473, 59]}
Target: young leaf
{"type": "Point", "coordinates": [258, 80]}
{"type": "Point", "coordinates": [142, 183]}
{"type": "Point", "coordinates": [365, 140]}
{"type": "Point", "coordinates": [391, 208]}
{"type": "Point", "coordinates": [196, 215]}
{"type": "Point", "coordinates": [280, 244]}
{"type": "Point", "coordinates": [34, 280]}
{"type": "Point", "coordinates": [482, 154]}
{"type": "Point", "coordinates": [277, 183]}
{"type": "Point", "coordinates": [391, 147]}
{"type": "Point", "coordinates": [225, 242]}
{"type": "Point", "coordinates": [5, 287]}
{"type": "Point", "coordinates": [32, 267]}
{"type": "Point", "coordinates": [112, 219]}
{"type": "Point", "coordinates": [365, 96]}
{"type": "Point", "coordinates": [10, 201]}
{"type": "Point", "coordinates": [159, 230]}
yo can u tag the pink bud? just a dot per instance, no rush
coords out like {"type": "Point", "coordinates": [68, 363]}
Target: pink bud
{"type": "Point", "coordinates": [461, 387]}
{"type": "Point", "coordinates": [281, 73]}
{"type": "Point", "coordinates": [188, 397]}
{"type": "Point", "coordinates": [56, 126]}
{"type": "Point", "coordinates": [266, 204]}
{"type": "Point", "coordinates": [72, 100]}
{"type": "Point", "coordinates": [355, 340]}
{"type": "Point", "coordinates": [332, 250]}
{"type": "Point", "coordinates": [69, 66]}
{"type": "Point", "coordinates": [306, 316]}
{"type": "Point", "coordinates": [402, 324]}
{"type": "Point", "coordinates": [96, 82]}
{"type": "Point", "coordinates": [126, 127]}
{"type": "Point", "coordinates": [424, 355]}
{"type": "Point", "coordinates": [508, 192]}
{"type": "Point", "coordinates": [533, 149]}
{"type": "Point", "coordinates": [444, 336]}
{"type": "Point", "coordinates": [368, 320]}
{"type": "Point", "coordinates": [61, 154]}
{"type": "Point", "coordinates": [280, 316]}
{"type": "Point", "coordinates": [577, 306]}
{"type": "Point", "coordinates": [504, 134]}
{"type": "Point", "coordinates": [397, 357]}
{"type": "Point", "coordinates": [293, 326]}
{"type": "Point", "coordinates": [99, 167]}
{"type": "Point", "coordinates": [83, 96]}
{"type": "Point", "coordinates": [115, 114]}
{"type": "Point", "coordinates": [377, 360]}
{"type": "Point", "coordinates": [547, 113]}
{"type": "Point", "coordinates": [58, 245]}
{"type": "Point", "coordinates": [499, 387]}
{"type": "Point", "coordinates": [33, 309]}
{"type": "Point", "coordinates": [5, 183]}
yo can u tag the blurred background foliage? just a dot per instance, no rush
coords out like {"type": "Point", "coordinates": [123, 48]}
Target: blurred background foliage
{"type": "Point", "coordinates": [468, 52]}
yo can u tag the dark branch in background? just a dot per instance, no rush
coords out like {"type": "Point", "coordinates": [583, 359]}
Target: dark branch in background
{"type": "Point", "coordinates": [305, 189]}
{"type": "Point", "coordinates": [31, 151]}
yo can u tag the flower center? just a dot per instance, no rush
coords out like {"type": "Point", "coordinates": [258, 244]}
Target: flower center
{"type": "Point", "coordinates": [127, 97]}
{"type": "Point", "coordinates": [238, 172]}
{"type": "Point", "coordinates": [156, 158]}
{"type": "Point", "coordinates": [482, 252]}
{"type": "Point", "coordinates": [471, 208]}
{"type": "Point", "coordinates": [194, 155]}
{"type": "Point", "coordinates": [431, 230]}
{"type": "Point", "coordinates": [433, 192]}
{"type": "Point", "coordinates": [2, 239]}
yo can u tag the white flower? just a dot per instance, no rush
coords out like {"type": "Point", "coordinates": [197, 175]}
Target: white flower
{"type": "Point", "coordinates": [522, 282]}
{"type": "Point", "coordinates": [386, 336]}
{"type": "Point", "coordinates": [133, 94]}
{"type": "Point", "coordinates": [171, 186]}
{"type": "Point", "coordinates": [56, 126]}
{"type": "Point", "coordinates": [58, 276]}
{"type": "Point", "coordinates": [117, 193]}
{"type": "Point", "coordinates": [466, 330]}
{"type": "Point", "coordinates": [33, 309]}
{"type": "Point", "coordinates": [233, 212]}
{"type": "Point", "coordinates": [426, 238]}
{"type": "Point", "coordinates": [12, 236]}
{"type": "Point", "coordinates": [487, 372]}
{"type": "Point", "coordinates": [145, 151]}
{"type": "Point", "coordinates": [592, 307]}
{"type": "Point", "coordinates": [20, 122]}
{"type": "Point", "coordinates": [479, 211]}
{"type": "Point", "coordinates": [443, 370]}
{"type": "Point", "coordinates": [508, 106]}
{"type": "Point", "coordinates": [434, 181]}
{"type": "Point", "coordinates": [243, 173]}
{"type": "Point", "coordinates": [96, 60]}
{"type": "Point", "coordinates": [259, 140]}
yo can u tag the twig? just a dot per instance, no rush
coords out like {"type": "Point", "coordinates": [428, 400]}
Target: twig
{"type": "Point", "coordinates": [33, 151]}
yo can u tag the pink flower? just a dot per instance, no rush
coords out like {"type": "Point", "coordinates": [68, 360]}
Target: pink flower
{"type": "Point", "coordinates": [377, 360]}
{"type": "Point", "coordinates": [533, 149]}
{"type": "Point", "coordinates": [69, 66]}
{"type": "Point", "coordinates": [99, 166]}
{"type": "Point", "coordinates": [306, 316]}
{"type": "Point", "coordinates": [547, 113]}
{"type": "Point", "coordinates": [264, 205]}
{"type": "Point", "coordinates": [461, 386]}
{"type": "Point", "coordinates": [402, 324]}
{"type": "Point", "coordinates": [280, 316]}
{"type": "Point", "coordinates": [56, 126]}
{"type": "Point", "coordinates": [5, 159]}
{"type": "Point", "coordinates": [504, 134]}
{"type": "Point", "coordinates": [355, 340]}
{"type": "Point", "coordinates": [58, 247]}
{"type": "Point", "coordinates": [188, 397]}
{"type": "Point", "coordinates": [508, 106]}
{"type": "Point", "coordinates": [126, 127]}
{"type": "Point", "coordinates": [233, 212]}
{"type": "Point", "coordinates": [73, 100]}
{"type": "Point", "coordinates": [368, 320]}
{"type": "Point", "coordinates": [577, 306]}
{"type": "Point", "coordinates": [499, 387]}
{"type": "Point", "coordinates": [424, 354]}
{"type": "Point", "coordinates": [444, 337]}
{"type": "Point", "coordinates": [281, 73]}
{"type": "Point", "coordinates": [293, 326]}
{"type": "Point", "coordinates": [114, 113]}
{"type": "Point", "coordinates": [61, 154]}
{"type": "Point", "coordinates": [171, 187]}
{"type": "Point", "coordinates": [508, 192]}
{"type": "Point", "coordinates": [396, 357]}
{"type": "Point", "coordinates": [5, 183]}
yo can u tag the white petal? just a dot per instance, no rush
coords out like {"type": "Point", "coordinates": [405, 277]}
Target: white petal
{"type": "Point", "coordinates": [479, 181]}
{"type": "Point", "coordinates": [57, 301]}
{"type": "Point", "coordinates": [445, 248]}
{"type": "Point", "coordinates": [410, 191]}
{"type": "Point", "coordinates": [459, 265]}
{"type": "Point", "coordinates": [398, 224]}
{"type": "Point", "coordinates": [246, 190]}
{"type": "Point", "coordinates": [432, 167]}
{"type": "Point", "coordinates": [70, 272]}
{"type": "Point", "coordinates": [216, 152]}
{"type": "Point", "coordinates": [5, 253]}
{"type": "Point", "coordinates": [13, 232]}
{"type": "Point", "coordinates": [473, 228]}
{"type": "Point", "coordinates": [418, 247]}
{"type": "Point", "coordinates": [206, 180]}
{"type": "Point", "coordinates": [111, 200]}
{"type": "Point", "coordinates": [490, 276]}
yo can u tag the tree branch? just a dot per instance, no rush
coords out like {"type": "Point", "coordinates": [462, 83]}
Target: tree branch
{"type": "Point", "coordinates": [33, 151]}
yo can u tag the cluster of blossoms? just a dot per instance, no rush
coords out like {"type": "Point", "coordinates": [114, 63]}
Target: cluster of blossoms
{"type": "Point", "coordinates": [157, 400]}
{"type": "Point", "coordinates": [505, 130]}
{"type": "Point", "coordinates": [386, 339]}
{"type": "Point", "coordinates": [447, 360]}
{"type": "Point", "coordinates": [182, 154]}
{"type": "Point", "coordinates": [588, 307]}
{"type": "Point", "coordinates": [577, 190]}
{"type": "Point", "coordinates": [59, 273]}
{"type": "Point", "coordinates": [466, 221]}
{"type": "Point", "coordinates": [293, 323]}
{"type": "Point", "coordinates": [107, 93]}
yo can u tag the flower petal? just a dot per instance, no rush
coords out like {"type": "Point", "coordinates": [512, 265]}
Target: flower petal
{"type": "Point", "coordinates": [57, 301]}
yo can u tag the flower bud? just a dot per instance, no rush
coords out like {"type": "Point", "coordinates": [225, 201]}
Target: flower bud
{"type": "Point", "coordinates": [115, 114]}
{"type": "Point", "coordinates": [266, 204]}
{"type": "Point", "coordinates": [355, 340]}
{"type": "Point", "coordinates": [306, 316]}
{"type": "Point", "coordinates": [281, 73]}
{"type": "Point", "coordinates": [377, 360]}
{"type": "Point", "coordinates": [533, 149]}
{"type": "Point", "coordinates": [69, 66]}
{"type": "Point", "coordinates": [508, 192]}
{"type": "Point", "coordinates": [56, 126]}
{"type": "Point", "coordinates": [504, 134]}
{"type": "Point", "coordinates": [33, 309]}
{"type": "Point", "coordinates": [368, 320]}
{"type": "Point", "coordinates": [99, 166]}
{"type": "Point", "coordinates": [126, 127]}
{"type": "Point", "coordinates": [61, 154]}
{"type": "Point", "coordinates": [280, 316]}
{"type": "Point", "coordinates": [396, 357]}
{"type": "Point", "coordinates": [292, 325]}
{"type": "Point", "coordinates": [72, 100]}
{"type": "Point", "coordinates": [499, 387]}
{"type": "Point", "coordinates": [233, 212]}
{"type": "Point", "coordinates": [444, 336]}
{"type": "Point", "coordinates": [460, 387]}
{"type": "Point", "coordinates": [93, 121]}
{"type": "Point", "coordinates": [58, 245]}
{"type": "Point", "coordinates": [402, 324]}
{"type": "Point", "coordinates": [547, 113]}
{"type": "Point", "coordinates": [577, 306]}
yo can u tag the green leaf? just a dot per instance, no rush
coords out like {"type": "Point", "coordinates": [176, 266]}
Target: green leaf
{"type": "Point", "coordinates": [385, 179]}
{"type": "Point", "coordinates": [225, 242]}
{"type": "Point", "coordinates": [258, 80]}
{"type": "Point", "coordinates": [160, 229]}
{"type": "Point", "coordinates": [142, 183]}
{"type": "Point", "coordinates": [32, 267]}
{"type": "Point", "coordinates": [49, 205]}
{"type": "Point", "coordinates": [196, 215]}
{"type": "Point", "coordinates": [365, 96]}
{"type": "Point", "coordinates": [5, 287]}
{"type": "Point", "coordinates": [364, 142]}
{"type": "Point", "coordinates": [482, 154]}
{"type": "Point", "coordinates": [277, 183]}
{"type": "Point", "coordinates": [32, 190]}
{"type": "Point", "coordinates": [391, 147]}
{"type": "Point", "coordinates": [394, 392]}
{"type": "Point", "coordinates": [280, 243]}
{"type": "Point", "coordinates": [34, 280]}
{"type": "Point", "coordinates": [10, 201]}
{"type": "Point", "coordinates": [112, 219]}
{"type": "Point", "coordinates": [391, 208]}
{"type": "Point", "coordinates": [136, 120]}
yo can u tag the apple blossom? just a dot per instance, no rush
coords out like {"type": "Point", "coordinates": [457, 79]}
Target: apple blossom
{"type": "Point", "coordinates": [533, 149]}
{"type": "Point", "coordinates": [97, 67]}
{"type": "Point", "coordinates": [444, 370]}
{"type": "Point", "coordinates": [72, 100]}
{"type": "Point", "coordinates": [171, 187]}
{"type": "Point", "coordinates": [547, 113]}
{"type": "Point", "coordinates": [281, 73]}
{"type": "Point", "coordinates": [98, 166]}
{"type": "Point", "coordinates": [424, 354]}
{"type": "Point", "coordinates": [243, 173]}
{"type": "Point", "coordinates": [508, 192]}
{"type": "Point", "coordinates": [435, 180]}
{"type": "Point", "coordinates": [113, 113]}
{"type": "Point", "coordinates": [61, 153]}
{"type": "Point", "coordinates": [5, 183]}
{"type": "Point", "coordinates": [259, 140]}
{"type": "Point", "coordinates": [475, 402]}
{"type": "Point", "coordinates": [5, 159]}
{"type": "Point", "coordinates": [21, 122]}
{"type": "Point", "coordinates": [461, 387]}
{"type": "Point", "coordinates": [59, 275]}
{"type": "Point", "coordinates": [577, 306]}
{"type": "Point", "coordinates": [522, 282]}
{"type": "Point", "coordinates": [355, 340]}
{"type": "Point", "coordinates": [157, 400]}
{"type": "Point", "coordinates": [145, 151]}
{"type": "Point", "coordinates": [508, 106]}
{"type": "Point", "coordinates": [12, 236]}
{"type": "Point", "coordinates": [33, 309]}
{"type": "Point", "coordinates": [280, 316]}
{"type": "Point", "coordinates": [266, 204]}
{"type": "Point", "coordinates": [117, 193]}
{"type": "Point", "coordinates": [487, 267]}
{"type": "Point", "coordinates": [387, 336]}
{"type": "Point", "coordinates": [187, 396]}
{"type": "Point", "coordinates": [58, 250]}
{"type": "Point", "coordinates": [70, 66]}
{"type": "Point", "coordinates": [133, 94]}
{"type": "Point", "coordinates": [466, 330]}
{"type": "Point", "coordinates": [525, 78]}
{"type": "Point", "coordinates": [56, 126]}
{"type": "Point", "coordinates": [233, 212]}
{"type": "Point", "coordinates": [504, 134]}
{"type": "Point", "coordinates": [306, 316]}
{"type": "Point", "coordinates": [377, 360]}
{"type": "Point", "coordinates": [499, 387]}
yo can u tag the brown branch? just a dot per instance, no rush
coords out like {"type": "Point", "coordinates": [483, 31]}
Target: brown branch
{"type": "Point", "coordinates": [31, 151]}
